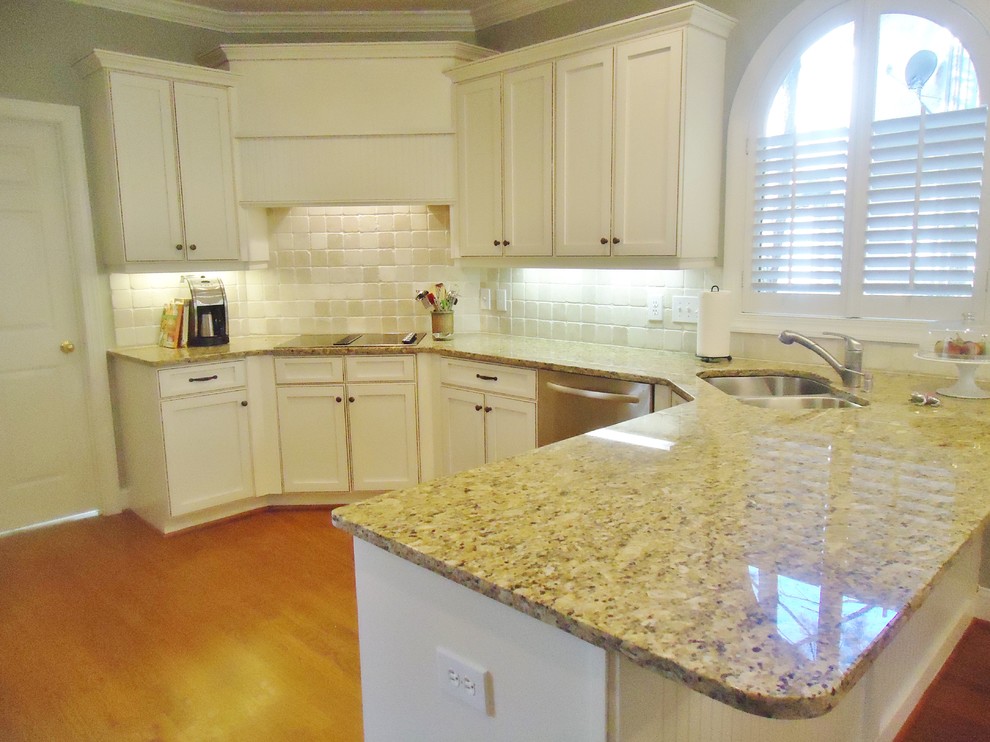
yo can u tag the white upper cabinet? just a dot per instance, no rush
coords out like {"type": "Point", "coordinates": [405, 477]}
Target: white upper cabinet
{"type": "Point", "coordinates": [584, 154]}
{"type": "Point", "coordinates": [618, 135]}
{"type": "Point", "coordinates": [636, 146]}
{"type": "Point", "coordinates": [161, 160]}
{"type": "Point", "coordinates": [505, 151]}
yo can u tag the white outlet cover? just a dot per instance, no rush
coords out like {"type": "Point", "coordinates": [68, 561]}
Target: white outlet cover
{"type": "Point", "coordinates": [486, 298]}
{"type": "Point", "coordinates": [502, 300]}
{"type": "Point", "coordinates": [654, 306]}
{"type": "Point", "coordinates": [465, 681]}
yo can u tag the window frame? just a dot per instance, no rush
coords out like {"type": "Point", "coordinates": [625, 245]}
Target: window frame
{"type": "Point", "coordinates": [969, 21]}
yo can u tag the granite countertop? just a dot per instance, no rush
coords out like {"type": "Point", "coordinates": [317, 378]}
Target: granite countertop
{"type": "Point", "coordinates": [762, 557]}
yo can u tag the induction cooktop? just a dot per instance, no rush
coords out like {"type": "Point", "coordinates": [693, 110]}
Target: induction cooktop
{"type": "Point", "coordinates": [364, 340]}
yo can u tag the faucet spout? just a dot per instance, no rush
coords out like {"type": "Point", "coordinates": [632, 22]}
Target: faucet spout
{"type": "Point", "coordinates": [851, 372]}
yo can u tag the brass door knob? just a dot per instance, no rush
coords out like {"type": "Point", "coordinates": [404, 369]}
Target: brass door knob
{"type": "Point", "coordinates": [67, 346]}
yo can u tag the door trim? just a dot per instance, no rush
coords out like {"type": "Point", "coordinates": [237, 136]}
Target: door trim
{"type": "Point", "coordinates": [92, 288]}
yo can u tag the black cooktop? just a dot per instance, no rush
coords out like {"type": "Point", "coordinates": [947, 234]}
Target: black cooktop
{"type": "Point", "coordinates": [355, 340]}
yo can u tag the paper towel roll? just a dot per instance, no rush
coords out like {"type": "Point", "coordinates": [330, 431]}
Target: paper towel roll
{"type": "Point", "coordinates": [714, 313]}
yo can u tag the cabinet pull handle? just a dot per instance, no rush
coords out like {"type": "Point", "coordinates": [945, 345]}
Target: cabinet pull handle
{"type": "Point", "coordinates": [192, 247]}
{"type": "Point", "coordinates": [204, 378]}
{"type": "Point", "coordinates": [487, 378]}
{"type": "Point", "coordinates": [615, 241]}
{"type": "Point", "coordinates": [179, 248]}
{"type": "Point", "coordinates": [244, 403]}
{"type": "Point", "coordinates": [604, 240]}
{"type": "Point", "coordinates": [477, 407]}
{"type": "Point", "coordinates": [488, 409]}
{"type": "Point", "coordinates": [350, 399]}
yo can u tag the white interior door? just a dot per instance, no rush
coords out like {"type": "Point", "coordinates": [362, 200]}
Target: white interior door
{"type": "Point", "coordinates": [46, 454]}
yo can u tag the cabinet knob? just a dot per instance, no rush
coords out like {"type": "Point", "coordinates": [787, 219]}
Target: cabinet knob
{"type": "Point", "coordinates": [488, 409]}
{"type": "Point", "coordinates": [477, 407]}
{"type": "Point", "coordinates": [604, 240]}
{"type": "Point", "coordinates": [505, 243]}
{"type": "Point", "coordinates": [340, 399]}
{"type": "Point", "coordinates": [350, 399]}
{"type": "Point", "coordinates": [192, 247]}
{"type": "Point", "coordinates": [244, 403]}
{"type": "Point", "coordinates": [67, 346]}
{"type": "Point", "coordinates": [179, 248]}
{"type": "Point", "coordinates": [615, 240]}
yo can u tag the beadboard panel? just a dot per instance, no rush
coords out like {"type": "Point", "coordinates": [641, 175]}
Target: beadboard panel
{"type": "Point", "coordinates": [406, 169]}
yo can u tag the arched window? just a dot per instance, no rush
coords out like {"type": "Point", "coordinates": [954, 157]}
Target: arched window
{"type": "Point", "coordinates": [863, 177]}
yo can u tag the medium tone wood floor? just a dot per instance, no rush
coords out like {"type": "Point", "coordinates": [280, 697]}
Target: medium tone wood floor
{"type": "Point", "coordinates": [245, 630]}
{"type": "Point", "coordinates": [956, 707]}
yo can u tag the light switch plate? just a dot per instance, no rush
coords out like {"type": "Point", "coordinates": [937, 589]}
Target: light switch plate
{"type": "Point", "coordinates": [684, 309]}
{"type": "Point", "coordinates": [502, 300]}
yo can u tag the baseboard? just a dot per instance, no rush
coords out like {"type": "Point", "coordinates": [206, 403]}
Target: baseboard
{"type": "Point", "coordinates": [982, 608]}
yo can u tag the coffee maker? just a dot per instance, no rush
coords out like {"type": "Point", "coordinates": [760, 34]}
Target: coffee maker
{"type": "Point", "coordinates": [207, 312]}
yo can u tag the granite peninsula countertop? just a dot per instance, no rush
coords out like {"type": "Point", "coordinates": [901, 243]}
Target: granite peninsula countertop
{"type": "Point", "coordinates": [762, 557]}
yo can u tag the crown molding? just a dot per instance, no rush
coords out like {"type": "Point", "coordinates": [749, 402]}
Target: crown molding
{"type": "Point", "coordinates": [339, 21]}
{"type": "Point", "coordinates": [502, 11]}
{"type": "Point", "coordinates": [176, 11]}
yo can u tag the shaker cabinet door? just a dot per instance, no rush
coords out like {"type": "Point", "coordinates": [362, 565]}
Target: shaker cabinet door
{"type": "Point", "coordinates": [463, 424]}
{"type": "Point", "coordinates": [647, 143]}
{"type": "Point", "coordinates": [384, 451]}
{"type": "Point", "coordinates": [527, 150]}
{"type": "Point", "coordinates": [147, 170]}
{"type": "Point", "coordinates": [510, 427]}
{"type": "Point", "coordinates": [313, 438]}
{"type": "Point", "coordinates": [202, 122]}
{"type": "Point", "coordinates": [479, 166]}
{"type": "Point", "coordinates": [583, 146]}
{"type": "Point", "coordinates": [207, 450]}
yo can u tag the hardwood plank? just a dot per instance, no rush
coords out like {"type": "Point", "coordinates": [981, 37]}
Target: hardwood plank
{"type": "Point", "coordinates": [246, 630]}
{"type": "Point", "coordinates": [956, 706]}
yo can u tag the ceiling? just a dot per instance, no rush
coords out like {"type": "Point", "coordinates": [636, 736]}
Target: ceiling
{"type": "Point", "coordinates": [385, 16]}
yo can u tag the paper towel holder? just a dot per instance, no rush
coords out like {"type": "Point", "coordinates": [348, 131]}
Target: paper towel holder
{"type": "Point", "coordinates": [708, 358]}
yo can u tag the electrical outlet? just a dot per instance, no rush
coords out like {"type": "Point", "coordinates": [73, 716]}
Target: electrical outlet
{"type": "Point", "coordinates": [465, 681]}
{"type": "Point", "coordinates": [486, 299]}
{"type": "Point", "coordinates": [654, 306]}
{"type": "Point", "coordinates": [684, 309]}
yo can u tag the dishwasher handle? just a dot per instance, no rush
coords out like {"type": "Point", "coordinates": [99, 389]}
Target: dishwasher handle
{"type": "Point", "coordinates": [591, 394]}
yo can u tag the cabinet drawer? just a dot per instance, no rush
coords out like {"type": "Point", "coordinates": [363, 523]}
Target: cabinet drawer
{"type": "Point", "coordinates": [323, 370]}
{"type": "Point", "coordinates": [201, 377]}
{"type": "Point", "coordinates": [381, 368]}
{"type": "Point", "coordinates": [488, 377]}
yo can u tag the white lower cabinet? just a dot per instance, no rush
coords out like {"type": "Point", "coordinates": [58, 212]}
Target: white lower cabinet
{"type": "Point", "coordinates": [185, 439]}
{"type": "Point", "coordinates": [481, 424]}
{"type": "Point", "coordinates": [359, 435]}
{"type": "Point", "coordinates": [313, 438]}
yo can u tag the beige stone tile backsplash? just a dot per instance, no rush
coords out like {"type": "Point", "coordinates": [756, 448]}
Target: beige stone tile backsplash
{"type": "Point", "coordinates": [340, 269]}
{"type": "Point", "coordinates": [358, 268]}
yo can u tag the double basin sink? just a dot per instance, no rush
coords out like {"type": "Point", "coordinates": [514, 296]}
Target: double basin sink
{"type": "Point", "coordinates": [783, 391]}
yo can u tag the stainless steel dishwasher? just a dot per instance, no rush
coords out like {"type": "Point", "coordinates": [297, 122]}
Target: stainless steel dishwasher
{"type": "Point", "coordinates": [570, 404]}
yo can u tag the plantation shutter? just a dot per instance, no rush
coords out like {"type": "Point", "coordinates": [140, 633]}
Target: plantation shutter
{"type": "Point", "coordinates": [799, 212]}
{"type": "Point", "coordinates": [925, 183]}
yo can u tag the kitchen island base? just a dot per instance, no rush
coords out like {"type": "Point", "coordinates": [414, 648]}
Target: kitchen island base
{"type": "Point", "coordinates": [547, 684]}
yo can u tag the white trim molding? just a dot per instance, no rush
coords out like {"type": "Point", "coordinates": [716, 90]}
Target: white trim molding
{"type": "Point", "coordinates": [982, 608]}
{"type": "Point", "coordinates": [331, 21]}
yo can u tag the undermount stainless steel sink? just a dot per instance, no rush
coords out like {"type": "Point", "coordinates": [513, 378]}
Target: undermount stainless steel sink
{"type": "Point", "coordinates": [820, 402]}
{"type": "Point", "coordinates": [769, 386]}
{"type": "Point", "coordinates": [783, 392]}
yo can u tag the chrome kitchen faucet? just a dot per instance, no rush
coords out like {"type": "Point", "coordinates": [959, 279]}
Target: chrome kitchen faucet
{"type": "Point", "coordinates": [851, 371]}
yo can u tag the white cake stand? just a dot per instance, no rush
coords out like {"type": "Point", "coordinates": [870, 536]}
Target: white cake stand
{"type": "Point", "coordinates": [965, 387]}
